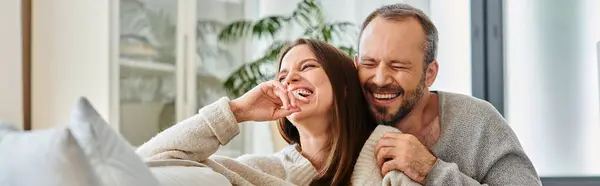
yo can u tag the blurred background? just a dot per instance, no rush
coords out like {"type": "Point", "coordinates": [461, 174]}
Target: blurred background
{"type": "Point", "coordinates": [146, 64]}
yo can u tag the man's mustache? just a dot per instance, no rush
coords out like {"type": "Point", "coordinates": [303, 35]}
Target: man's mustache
{"type": "Point", "coordinates": [388, 88]}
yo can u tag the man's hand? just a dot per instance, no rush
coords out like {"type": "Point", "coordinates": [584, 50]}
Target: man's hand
{"type": "Point", "coordinates": [404, 152]}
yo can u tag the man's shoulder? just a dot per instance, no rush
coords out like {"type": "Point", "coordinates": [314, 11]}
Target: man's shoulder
{"type": "Point", "coordinates": [464, 112]}
{"type": "Point", "coordinates": [475, 136]}
{"type": "Point", "coordinates": [465, 105]}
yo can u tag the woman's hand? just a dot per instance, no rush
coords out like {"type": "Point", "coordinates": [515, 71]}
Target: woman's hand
{"type": "Point", "coordinates": [266, 102]}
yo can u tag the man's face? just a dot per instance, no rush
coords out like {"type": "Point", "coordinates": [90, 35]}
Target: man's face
{"type": "Point", "coordinates": [391, 67]}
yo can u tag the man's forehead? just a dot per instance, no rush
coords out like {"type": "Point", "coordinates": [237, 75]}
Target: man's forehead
{"type": "Point", "coordinates": [389, 35]}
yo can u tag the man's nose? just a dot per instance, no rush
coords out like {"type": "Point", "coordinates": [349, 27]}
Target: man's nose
{"type": "Point", "coordinates": [382, 76]}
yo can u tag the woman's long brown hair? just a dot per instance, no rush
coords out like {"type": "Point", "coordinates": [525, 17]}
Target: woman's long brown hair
{"type": "Point", "coordinates": [352, 123]}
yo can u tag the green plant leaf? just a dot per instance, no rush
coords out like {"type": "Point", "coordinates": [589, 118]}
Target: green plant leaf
{"type": "Point", "coordinates": [309, 15]}
{"type": "Point", "coordinates": [232, 32]}
{"type": "Point", "coordinates": [249, 75]}
{"type": "Point", "coordinates": [303, 19]}
{"type": "Point", "coordinates": [268, 26]}
{"type": "Point", "coordinates": [349, 50]}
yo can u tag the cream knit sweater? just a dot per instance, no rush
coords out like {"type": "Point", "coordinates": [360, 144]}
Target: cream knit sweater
{"type": "Point", "coordinates": [197, 138]}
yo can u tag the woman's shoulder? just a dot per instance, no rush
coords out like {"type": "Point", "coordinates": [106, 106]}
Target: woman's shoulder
{"type": "Point", "coordinates": [380, 130]}
{"type": "Point", "coordinates": [288, 156]}
{"type": "Point", "coordinates": [366, 171]}
{"type": "Point", "coordinates": [375, 136]}
{"type": "Point", "coordinates": [288, 162]}
{"type": "Point", "coordinates": [291, 155]}
{"type": "Point", "coordinates": [262, 162]}
{"type": "Point", "coordinates": [363, 170]}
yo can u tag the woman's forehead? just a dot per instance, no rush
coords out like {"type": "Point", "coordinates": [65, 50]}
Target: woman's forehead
{"type": "Point", "coordinates": [297, 55]}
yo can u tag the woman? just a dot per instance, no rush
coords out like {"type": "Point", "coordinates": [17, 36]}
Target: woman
{"type": "Point", "coordinates": [321, 113]}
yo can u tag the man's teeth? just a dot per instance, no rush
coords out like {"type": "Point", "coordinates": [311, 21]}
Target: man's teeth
{"type": "Point", "coordinates": [384, 96]}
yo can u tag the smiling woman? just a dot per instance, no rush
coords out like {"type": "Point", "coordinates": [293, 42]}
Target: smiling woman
{"type": "Point", "coordinates": [316, 67]}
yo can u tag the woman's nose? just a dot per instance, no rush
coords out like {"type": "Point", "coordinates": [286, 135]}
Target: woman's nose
{"type": "Point", "coordinates": [291, 78]}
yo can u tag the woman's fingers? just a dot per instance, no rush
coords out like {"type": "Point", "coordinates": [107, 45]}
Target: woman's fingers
{"type": "Point", "coordinates": [288, 98]}
{"type": "Point", "coordinates": [292, 99]}
{"type": "Point", "coordinates": [280, 113]}
{"type": "Point", "coordinates": [278, 85]}
{"type": "Point", "coordinates": [283, 96]}
{"type": "Point", "coordinates": [281, 92]}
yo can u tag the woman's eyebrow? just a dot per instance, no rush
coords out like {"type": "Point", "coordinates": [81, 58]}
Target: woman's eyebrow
{"type": "Point", "coordinates": [306, 60]}
{"type": "Point", "coordinates": [282, 72]}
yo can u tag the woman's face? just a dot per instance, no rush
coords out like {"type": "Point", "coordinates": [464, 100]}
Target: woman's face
{"type": "Point", "coordinates": [304, 76]}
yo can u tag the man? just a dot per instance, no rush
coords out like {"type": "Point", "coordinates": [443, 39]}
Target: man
{"type": "Point", "coordinates": [447, 139]}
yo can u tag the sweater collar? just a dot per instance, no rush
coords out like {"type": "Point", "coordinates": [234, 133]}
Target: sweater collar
{"type": "Point", "coordinates": [299, 169]}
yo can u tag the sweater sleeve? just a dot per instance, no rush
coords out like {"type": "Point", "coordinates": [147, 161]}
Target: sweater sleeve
{"type": "Point", "coordinates": [195, 138]}
{"type": "Point", "coordinates": [508, 170]}
{"type": "Point", "coordinates": [366, 171]}
{"type": "Point", "coordinates": [495, 154]}
{"type": "Point", "coordinates": [444, 173]}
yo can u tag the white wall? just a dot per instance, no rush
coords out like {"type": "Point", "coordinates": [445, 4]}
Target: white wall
{"type": "Point", "coordinates": [552, 83]}
{"type": "Point", "coordinates": [453, 21]}
{"type": "Point", "coordinates": [11, 94]}
{"type": "Point", "coordinates": [70, 58]}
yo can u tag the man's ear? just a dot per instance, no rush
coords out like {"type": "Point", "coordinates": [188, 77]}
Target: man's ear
{"type": "Point", "coordinates": [356, 60]}
{"type": "Point", "coordinates": [431, 73]}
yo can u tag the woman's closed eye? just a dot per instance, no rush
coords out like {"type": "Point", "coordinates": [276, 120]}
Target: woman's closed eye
{"type": "Point", "coordinates": [307, 66]}
{"type": "Point", "coordinates": [281, 78]}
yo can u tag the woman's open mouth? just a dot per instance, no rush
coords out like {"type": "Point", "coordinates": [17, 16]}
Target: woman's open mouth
{"type": "Point", "coordinates": [302, 92]}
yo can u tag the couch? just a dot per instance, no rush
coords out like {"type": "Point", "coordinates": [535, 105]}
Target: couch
{"type": "Point", "coordinates": [88, 152]}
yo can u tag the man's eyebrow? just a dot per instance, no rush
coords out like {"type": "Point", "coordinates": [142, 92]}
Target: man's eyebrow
{"type": "Point", "coordinates": [404, 62]}
{"type": "Point", "coordinates": [366, 58]}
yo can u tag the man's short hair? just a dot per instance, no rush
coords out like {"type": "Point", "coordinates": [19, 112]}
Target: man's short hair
{"type": "Point", "coordinates": [400, 12]}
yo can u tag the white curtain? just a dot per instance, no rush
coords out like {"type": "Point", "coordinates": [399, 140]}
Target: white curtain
{"type": "Point", "coordinates": [10, 64]}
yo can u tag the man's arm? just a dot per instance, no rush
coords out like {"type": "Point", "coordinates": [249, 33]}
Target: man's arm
{"type": "Point", "coordinates": [496, 156]}
{"type": "Point", "coordinates": [509, 170]}
{"type": "Point", "coordinates": [444, 173]}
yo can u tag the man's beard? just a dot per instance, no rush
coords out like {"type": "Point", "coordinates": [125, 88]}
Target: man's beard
{"type": "Point", "coordinates": [409, 100]}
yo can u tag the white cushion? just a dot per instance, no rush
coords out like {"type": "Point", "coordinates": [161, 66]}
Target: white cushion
{"type": "Point", "coordinates": [43, 158]}
{"type": "Point", "coordinates": [110, 155]}
{"type": "Point", "coordinates": [177, 172]}
{"type": "Point", "coordinates": [188, 176]}
{"type": "Point", "coordinates": [6, 128]}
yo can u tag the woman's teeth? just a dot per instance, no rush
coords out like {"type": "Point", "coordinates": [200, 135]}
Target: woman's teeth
{"type": "Point", "coordinates": [385, 95]}
{"type": "Point", "coordinates": [302, 92]}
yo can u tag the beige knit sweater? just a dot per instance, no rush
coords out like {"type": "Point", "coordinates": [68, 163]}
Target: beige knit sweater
{"type": "Point", "coordinates": [195, 140]}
